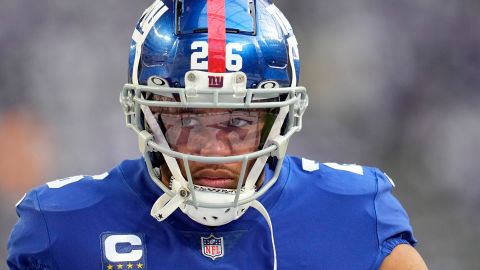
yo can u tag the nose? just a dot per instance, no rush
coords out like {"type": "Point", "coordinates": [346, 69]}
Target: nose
{"type": "Point", "coordinates": [216, 144]}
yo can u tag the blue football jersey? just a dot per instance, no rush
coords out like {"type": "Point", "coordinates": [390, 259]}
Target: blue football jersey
{"type": "Point", "coordinates": [324, 216]}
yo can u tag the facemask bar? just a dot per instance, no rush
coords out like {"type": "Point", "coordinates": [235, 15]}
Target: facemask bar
{"type": "Point", "coordinates": [133, 93]}
{"type": "Point", "coordinates": [260, 159]}
{"type": "Point", "coordinates": [132, 99]}
{"type": "Point", "coordinates": [244, 158]}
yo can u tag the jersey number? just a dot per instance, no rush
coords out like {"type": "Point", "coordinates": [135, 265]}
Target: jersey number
{"type": "Point", "coordinates": [66, 181]}
{"type": "Point", "coordinates": [198, 60]}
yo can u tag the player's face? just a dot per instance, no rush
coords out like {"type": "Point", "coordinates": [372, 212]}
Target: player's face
{"type": "Point", "coordinates": [213, 132]}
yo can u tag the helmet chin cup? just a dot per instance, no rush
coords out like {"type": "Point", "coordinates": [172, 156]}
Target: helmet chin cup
{"type": "Point", "coordinates": [216, 216]}
{"type": "Point", "coordinates": [166, 204]}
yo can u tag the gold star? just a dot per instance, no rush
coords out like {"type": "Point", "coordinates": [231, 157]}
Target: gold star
{"type": "Point", "coordinates": [129, 266]}
{"type": "Point", "coordinates": [109, 267]}
{"type": "Point", "coordinates": [139, 265]}
{"type": "Point", "coordinates": [119, 266]}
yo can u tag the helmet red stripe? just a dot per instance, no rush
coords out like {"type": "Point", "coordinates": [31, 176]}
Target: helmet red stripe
{"type": "Point", "coordinates": [216, 35]}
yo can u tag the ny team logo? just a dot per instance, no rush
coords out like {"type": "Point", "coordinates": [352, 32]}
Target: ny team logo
{"type": "Point", "coordinates": [215, 81]}
{"type": "Point", "coordinates": [212, 247]}
{"type": "Point", "coordinates": [123, 251]}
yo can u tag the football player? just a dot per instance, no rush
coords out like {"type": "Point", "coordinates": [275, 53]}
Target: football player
{"type": "Point", "coordinates": [213, 96]}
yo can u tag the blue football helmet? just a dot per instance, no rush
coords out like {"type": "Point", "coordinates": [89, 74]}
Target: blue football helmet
{"type": "Point", "coordinates": [232, 64]}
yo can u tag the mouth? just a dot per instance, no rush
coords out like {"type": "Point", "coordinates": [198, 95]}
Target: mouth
{"type": "Point", "coordinates": [215, 179]}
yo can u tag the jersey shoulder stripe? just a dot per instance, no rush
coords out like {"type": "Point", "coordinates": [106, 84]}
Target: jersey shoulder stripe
{"type": "Point", "coordinates": [339, 178]}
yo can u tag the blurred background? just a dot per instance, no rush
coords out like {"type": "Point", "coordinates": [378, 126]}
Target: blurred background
{"type": "Point", "coordinates": [393, 84]}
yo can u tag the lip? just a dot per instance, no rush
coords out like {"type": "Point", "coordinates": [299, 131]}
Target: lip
{"type": "Point", "coordinates": [215, 178]}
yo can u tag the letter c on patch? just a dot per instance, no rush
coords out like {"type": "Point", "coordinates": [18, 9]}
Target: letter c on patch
{"type": "Point", "coordinates": [113, 255]}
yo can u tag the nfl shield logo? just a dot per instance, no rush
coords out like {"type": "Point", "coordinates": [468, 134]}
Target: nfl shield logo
{"type": "Point", "coordinates": [212, 247]}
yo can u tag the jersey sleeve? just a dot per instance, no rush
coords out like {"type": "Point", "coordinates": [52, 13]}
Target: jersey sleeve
{"type": "Point", "coordinates": [29, 243]}
{"type": "Point", "coordinates": [393, 224]}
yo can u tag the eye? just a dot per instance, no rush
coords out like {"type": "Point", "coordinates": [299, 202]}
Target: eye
{"type": "Point", "coordinates": [239, 122]}
{"type": "Point", "coordinates": [188, 121]}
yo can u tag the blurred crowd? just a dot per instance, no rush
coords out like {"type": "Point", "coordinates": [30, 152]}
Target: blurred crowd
{"type": "Point", "coordinates": [392, 84]}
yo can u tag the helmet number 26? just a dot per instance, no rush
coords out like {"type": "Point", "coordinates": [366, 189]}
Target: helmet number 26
{"type": "Point", "coordinates": [198, 59]}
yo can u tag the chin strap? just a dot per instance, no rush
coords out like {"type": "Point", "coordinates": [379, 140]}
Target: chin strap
{"type": "Point", "coordinates": [259, 164]}
{"type": "Point", "coordinates": [165, 205]}
{"type": "Point", "coordinates": [161, 140]}
{"type": "Point", "coordinates": [259, 207]}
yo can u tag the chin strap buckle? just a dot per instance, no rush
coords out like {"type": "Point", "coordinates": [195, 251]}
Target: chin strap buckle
{"type": "Point", "coordinates": [166, 205]}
